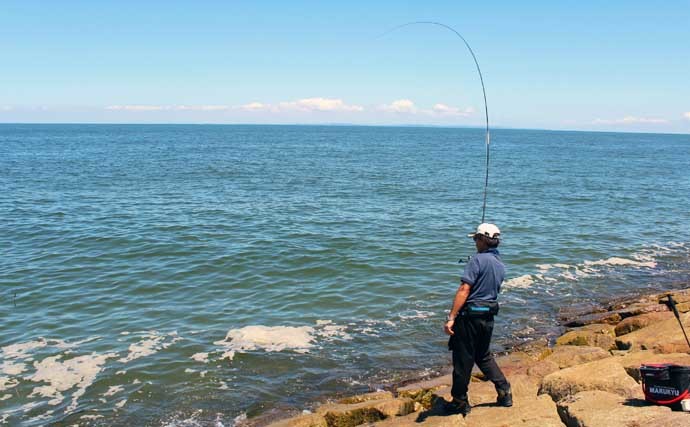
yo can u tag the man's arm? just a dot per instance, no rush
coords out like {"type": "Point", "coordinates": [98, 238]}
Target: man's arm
{"type": "Point", "coordinates": [460, 297]}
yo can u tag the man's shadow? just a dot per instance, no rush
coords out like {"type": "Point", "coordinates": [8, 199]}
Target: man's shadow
{"type": "Point", "coordinates": [438, 409]}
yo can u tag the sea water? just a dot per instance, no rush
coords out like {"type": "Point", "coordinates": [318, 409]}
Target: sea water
{"type": "Point", "coordinates": [199, 275]}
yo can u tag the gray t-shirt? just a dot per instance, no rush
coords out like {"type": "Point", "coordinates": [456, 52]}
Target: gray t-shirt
{"type": "Point", "coordinates": [484, 273]}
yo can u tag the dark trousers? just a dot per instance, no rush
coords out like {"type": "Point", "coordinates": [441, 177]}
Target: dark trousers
{"type": "Point", "coordinates": [470, 345]}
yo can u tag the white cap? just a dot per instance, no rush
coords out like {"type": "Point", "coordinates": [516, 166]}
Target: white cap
{"type": "Point", "coordinates": [488, 230]}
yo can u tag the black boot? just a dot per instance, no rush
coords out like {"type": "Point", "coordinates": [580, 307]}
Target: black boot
{"type": "Point", "coordinates": [505, 398]}
{"type": "Point", "coordinates": [458, 406]}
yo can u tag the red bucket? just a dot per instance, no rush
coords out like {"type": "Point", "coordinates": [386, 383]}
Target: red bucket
{"type": "Point", "coordinates": [665, 383]}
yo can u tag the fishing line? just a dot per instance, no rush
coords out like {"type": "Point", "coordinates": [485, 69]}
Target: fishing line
{"type": "Point", "coordinates": [481, 79]}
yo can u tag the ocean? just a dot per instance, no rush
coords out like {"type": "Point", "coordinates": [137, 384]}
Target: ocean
{"type": "Point", "coordinates": [183, 275]}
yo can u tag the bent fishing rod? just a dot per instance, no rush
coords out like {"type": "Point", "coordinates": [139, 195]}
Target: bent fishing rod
{"type": "Point", "coordinates": [481, 79]}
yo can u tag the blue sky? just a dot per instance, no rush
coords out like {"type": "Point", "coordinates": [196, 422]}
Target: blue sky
{"type": "Point", "coordinates": [557, 65]}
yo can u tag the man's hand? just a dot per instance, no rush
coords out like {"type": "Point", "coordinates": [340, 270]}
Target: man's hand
{"type": "Point", "coordinates": [448, 327]}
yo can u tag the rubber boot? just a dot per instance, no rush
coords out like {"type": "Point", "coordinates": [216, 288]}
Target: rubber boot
{"type": "Point", "coordinates": [458, 406]}
{"type": "Point", "coordinates": [505, 398]}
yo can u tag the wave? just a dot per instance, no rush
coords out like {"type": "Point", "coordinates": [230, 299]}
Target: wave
{"type": "Point", "coordinates": [646, 259]}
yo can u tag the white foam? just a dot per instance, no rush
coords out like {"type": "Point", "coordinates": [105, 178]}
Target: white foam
{"type": "Point", "coordinates": [150, 343]}
{"type": "Point", "coordinates": [7, 383]}
{"type": "Point", "coordinates": [368, 331]}
{"type": "Point", "coordinates": [77, 372]}
{"type": "Point", "coordinates": [13, 368]}
{"type": "Point", "coordinates": [23, 350]}
{"type": "Point", "coordinates": [615, 261]}
{"type": "Point", "coordinates": [230, 354]}
{"type": "Point", "coordinates": [298, 339]}
{"type": "Point", "coordinates": [572, 272]}
{"type": "Point", "coordinates": [327, 329]}
{"type": "Point", "coordinates": [546, 267]}
{"type": "Point", "coordinates": [268, 338]}
{"type": "Point", "coordinates": [112, 390]}
{"type": "Point", "coordinates": [91, 417]}
{"type": "Point", "coordinates": [121, 403]}
{"type": "Point", "coordinates": [240, 418]}
{"type": "Point", "coordinates": [521, 282]}
{"type": "Point", "coordinates": [55, 396]}
{"type": "Point", "coordinates": [6, 396]}
{"type": "Point", "coordinates": [417, 314]}
{"type": "Point", "coordinates": [200, 357]}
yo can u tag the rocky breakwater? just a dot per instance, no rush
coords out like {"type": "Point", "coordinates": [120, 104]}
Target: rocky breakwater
{"type": "Point", "coordinates": [588, 378]}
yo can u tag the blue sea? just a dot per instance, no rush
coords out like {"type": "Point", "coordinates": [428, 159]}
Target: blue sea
{"type": "Point", "coordinates": [183, 275]}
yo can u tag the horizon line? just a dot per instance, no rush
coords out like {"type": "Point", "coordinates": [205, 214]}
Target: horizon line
{"type": "Point", "coordinates": [416, 125]}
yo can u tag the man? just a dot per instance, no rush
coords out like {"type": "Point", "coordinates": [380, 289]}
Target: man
{"type": "Point", "coordinates": [471, 320]}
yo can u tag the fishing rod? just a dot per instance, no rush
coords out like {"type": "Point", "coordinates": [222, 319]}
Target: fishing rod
{"type": "Point", "coordinates": [481, 79]}
{"type": "Point", "coordinates": [672, 305]}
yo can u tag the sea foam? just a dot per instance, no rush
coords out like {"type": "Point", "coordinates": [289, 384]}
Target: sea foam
{"type": "Point", "coordinates": [299, 339]}
{"type": "Point", "coordinates": [151, 343]}
{"type": "Point", "coordinates": [573, 272]}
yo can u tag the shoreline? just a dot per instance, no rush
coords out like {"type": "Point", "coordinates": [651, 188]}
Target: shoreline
{"type": "Point", "coordinates": [589, 327]}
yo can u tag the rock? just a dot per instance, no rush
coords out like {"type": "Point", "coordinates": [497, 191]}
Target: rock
{"type": "Point", "coordinates": [634, 323]}
{"type": "Point", "coordinates": [601, 328]}
{"type": "Point", "coordinates": [603, 409]}
{"type": "Point", "coordinates": [413, 420]}
{"type": "Point", "coordinates": [631, 362]}
{"type": "Point", "coordinates": [594, 335]}
{"type": "Point", "coordinates": [430, 384]}
{"type": "Point", "coordinates": [543, 368]}
{"type": "Point", "coordinates": [624, 303]}
{"type": "Point", "coordinates": [539, 411]}
{"type": "Point", "coordinates": [609, 317]}
{"type": "Point", "coordinates": [515, 363]}
{"type": "Point", "coordinates": [422, 392]}
{"type": "Point", "coordinates": [528, 409]}
{"type": "Point", "coordinates": [536, 348]}
{"type": "Point", "coordinates": [678, 296]}
{"type": "Point", "coordinates": [347, 415]}
{"type": "Point", "coordinates": [565, 356]}
{"type": "Point", "coordinates": [683, 307]}
{"type": "Point", "coordinates": [664, 337]}
{"type": "Point", "coordinates": [377, 395]}
{"type": "Point", "coordinates": [309, 420]}
{"type": "Point", "coordinates": [641, 308]}
{"type": "Point", "coordinates": [605, 375]}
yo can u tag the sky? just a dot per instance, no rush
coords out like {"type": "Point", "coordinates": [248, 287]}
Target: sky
{"type": "Point", "coordinates": [589, 65]}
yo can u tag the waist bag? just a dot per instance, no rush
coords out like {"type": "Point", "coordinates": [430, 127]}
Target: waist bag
{"type": "Point", "coordinates": [665, 383]}
{"type": "Point", "coordinates": [480, 309]}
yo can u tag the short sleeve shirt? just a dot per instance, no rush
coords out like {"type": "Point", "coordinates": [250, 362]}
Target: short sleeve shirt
{"type": "Point", "coordinates": [484, 273]}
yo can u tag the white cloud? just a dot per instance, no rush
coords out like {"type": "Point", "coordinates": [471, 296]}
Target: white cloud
{"type": "Point", "coordinates": [629, 120]}
{"type": "Point", "coordinates": [304, 105]}
{"type": "Point", "coordinates": [446, 110]}
{"type": "Point", "coordinates": [135, 107]}
{"type": "Point", "coordinates": [255, 106]}
{"type": "Point", "coordinates": [687, 115]}
{"type": "Point", "coordinates": [201, 107]}
{"type": "Point", "coordinates": [318, 104]}
{"type": "Point", "coordinates": [399, 106]}
{"type": "Point", "coordinates": [143, 108]}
